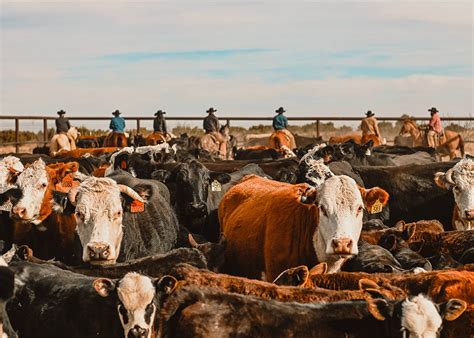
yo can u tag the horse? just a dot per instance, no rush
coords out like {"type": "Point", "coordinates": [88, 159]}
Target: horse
{"type": "Point", "coordinates": [115, 139]}
{"type": "Point", "coordinates": [280, 138]}
{"type": "Point", "coordinates": [61, 143]}
{"type": "Point", "coordinates": [155, 138]}
{"type": "Point", "coordinates": [357, 138]}
{"type": "Point", "coordinates": [210, 143]}
{"type": "Point", "coordinates": [449, 142]}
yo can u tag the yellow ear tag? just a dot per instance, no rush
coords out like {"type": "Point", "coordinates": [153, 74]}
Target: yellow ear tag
{"type": "Point", "coordinates": [216, 186]}
{"type": "Point", "coordinates": [376, 207]}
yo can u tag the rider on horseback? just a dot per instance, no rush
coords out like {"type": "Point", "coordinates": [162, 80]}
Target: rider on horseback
{"type": "Point", "coordinates": [435, 131]}
{"type": "Point", "coordinates": [117, 138]}
{"type": "Point", "coordinates": [159, 125]}
{"type": "Point", "coordinates": [62, 123]}
{"type": "Point", "coordinates": [369, 126]}
{"type": "Point", "coordinates": [211, 126]}
{"type": "Point", "coordinates": [280, 122]}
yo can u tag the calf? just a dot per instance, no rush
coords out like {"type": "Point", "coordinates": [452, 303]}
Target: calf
{"type": "Point", "coordinates": [277, 226]}
{"type": "Point", "coordinates": [453, 242]}
{"type": "Point", "coordinates": [189, 310]}
{"type": "Point", "coordinates": [460, 179]}
{"type": "Point", "coordinates": [78, 306]}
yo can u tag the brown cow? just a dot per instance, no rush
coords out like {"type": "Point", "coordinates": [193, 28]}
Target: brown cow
{"type": "Point", "coordinates": [79, 152]}
{"type": "Point", "coordinates": [452, 242]}
{"type": "Point", "coordinates": [357, 138]}
{"type": "Point", "coordinates": [276, 225]}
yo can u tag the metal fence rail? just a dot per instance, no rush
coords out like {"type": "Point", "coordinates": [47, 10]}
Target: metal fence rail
{"type": "Point", "coordinates": [228, 119]}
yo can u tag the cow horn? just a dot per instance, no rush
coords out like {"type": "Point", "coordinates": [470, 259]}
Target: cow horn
{"type": "Point", "coordinates": [130, 192]}
{"type": "Point", "coordinates": [449, 176]}
{"type": "Point", "coordinates": [71, 195]}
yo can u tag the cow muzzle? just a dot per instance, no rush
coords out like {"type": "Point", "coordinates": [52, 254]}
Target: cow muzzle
{"type": "Point", "coordinates": [469, 214]}
{"type": "Point", "coordinates": [100, 253]}
{"type": "Point", "coordinates": [198, 209]}
{"type": "Point", "coordinates": [20, 213]}
{"type": "Point", "coordinates": [137, 331]}
{"type": "Point", "coordinates": [342, 246]}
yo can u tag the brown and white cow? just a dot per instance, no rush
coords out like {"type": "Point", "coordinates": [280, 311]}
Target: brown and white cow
{"type": "Point", "coordinates": [272, 226]}
{"type": "Point", "coordinates": [460, 179]}
{"type": "Point", "coordinates": [10, 168]}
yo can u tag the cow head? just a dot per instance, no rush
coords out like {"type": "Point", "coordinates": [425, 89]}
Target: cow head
{"type": "Point", "coordinates": [193, 183]}
{"type": "Point", "coordinates": [36, 183]}
{"type": "Point", "coordinates": [341, 203]}
{"type": "Point", "coordinates": [460, 179]}
{"type": "Point", "coordinates": [417, 316]}
{"type": "Point", "coordinates": [99, 215]}
{"type": "Point", "coordinates": [138, 298]}
{"type": "Point", "coordinates": [10, 168]}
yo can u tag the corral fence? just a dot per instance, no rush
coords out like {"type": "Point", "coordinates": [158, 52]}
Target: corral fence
{"type": "Point", "coordinates": [228, 119]}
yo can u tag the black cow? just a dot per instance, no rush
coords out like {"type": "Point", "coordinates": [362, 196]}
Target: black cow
{"type": "Point", "coordinates": [372, 258]}
{"type": "Point", "coordinates": [7, 284]}
{"type": "Point", "coordinates": [206, 312]}
{"type": "Point", "coordinates": [408, 258]}
{"type": "Point", "coordinates": [51, 302]}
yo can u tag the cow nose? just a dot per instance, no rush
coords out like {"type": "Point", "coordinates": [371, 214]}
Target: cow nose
{"type": "Point", "coordinates": [138, 331]}
{"type": "Point", "coordinates": [98, 251]}
{"type": "Point", "coordinates": [342, 246]}
{"type": "Point", "coordinates": [470, 214]}
{"type": "Point", "coordinates": [19, 211]}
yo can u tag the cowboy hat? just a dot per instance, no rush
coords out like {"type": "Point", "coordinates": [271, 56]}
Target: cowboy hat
{"type": "Point", "coordinates": [369, 113]}
{"type": "Point", "coordinates": [61, 112]}
{"type": "Point", "coordinates": [280, 110]}
{"type": "Point", "coordinates": [160, 112]}
{"type": "Point", "coordinates": [116, 112]}
{"type": "Point", "coordinates": [433, 110]}
{"type": "Point", "coordinates": [211, 110]}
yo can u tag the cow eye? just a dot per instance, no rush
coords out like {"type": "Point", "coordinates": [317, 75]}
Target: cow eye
{"type": "Point", "coordinates": [359, 209]}
{"type": "Point", "coordinates": [456, 189]}
{"type": "Point", "coordinates": [44, 185]}
{"type": "Point", "coordinates": [80, 215]}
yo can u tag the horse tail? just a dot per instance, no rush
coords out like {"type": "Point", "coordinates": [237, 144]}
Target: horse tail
{"type": "Point", "coordinates": [461, 146]}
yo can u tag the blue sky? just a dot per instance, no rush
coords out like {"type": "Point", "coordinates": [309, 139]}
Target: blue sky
{"type": "Point", "coordinates": [245, 58]}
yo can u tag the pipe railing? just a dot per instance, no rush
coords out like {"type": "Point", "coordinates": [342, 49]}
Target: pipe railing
{"type": "Point", "coordinates": [318, 120]}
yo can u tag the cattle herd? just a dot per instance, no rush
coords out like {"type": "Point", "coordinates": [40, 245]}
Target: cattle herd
{"type": "Point", "coordinates": [341, 240]}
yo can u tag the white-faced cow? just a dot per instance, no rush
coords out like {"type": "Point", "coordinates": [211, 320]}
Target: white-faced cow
{"type": "Point", "coordinates": [460, 179]}
{"type": "Point", "coordinates": [276, 225]}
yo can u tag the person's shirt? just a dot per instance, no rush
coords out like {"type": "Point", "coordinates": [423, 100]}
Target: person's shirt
{"type": "Point", "coordinates": [369, 126]}
{"type": "Point", "coordinates": [435, 123]}
{"type": "Point", "coordinates": [117, 124]}
{"type": "Point", "coordinates": [280, 122]}
{"type": "Point", "coordinates": [211, 123]}
{"type": "Point", "coordinates": [159, 124]}
{"type": "Point", "coordinates": [62, 125]}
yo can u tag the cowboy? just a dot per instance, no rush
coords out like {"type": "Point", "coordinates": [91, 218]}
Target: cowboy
{"type": "Point", "coordinates": [369, 125]}
{"type": "Point", "coordinates": [117, 124]}
{"type": "Point", "coordinates": [211, 126]}
{"type": "Point", "coordinates": [62, 123]}
{"type": "Point", "coordinates": [280, 123]}
{"type": "Point", "coordinates": [435, 128]}
{"type": "Point", "coordinates": [159, 123]}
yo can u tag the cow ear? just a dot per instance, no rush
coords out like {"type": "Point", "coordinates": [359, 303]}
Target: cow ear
{"type": "Point", "coordinates": [373, 196]}
{"type": "Point", "coordinates": [409, 231]}
{"type": "Point", "coordinates": [297, 276]}
{"type": "Point", "coordinates": [309, 196]}
{"type": "Point", "coordinates": [222, 178]}
{"type": "Point", "coordinates": [452, 309]}
{"type": "Point", "coordinates": [400, 226]}
{"type": "Point", "coordinates": [104, 286]}
{"type": "Point", "coordinates": [365, 284]}
{"type": "Point", "coordinates": [388, 242]}
{"type": "Point", "coordinates": [379, 308]}
{"type": "Point", "coordinates": [319, 269]}
{"type": "Point", "coordinates": [166, 284]}
{"type": "Point", "coordinates": [440, 180]}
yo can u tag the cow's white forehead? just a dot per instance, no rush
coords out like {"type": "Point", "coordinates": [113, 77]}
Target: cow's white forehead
{"type": "Point", "coordinates": [34, 172]}
{"type": "Point", "coordinates": [463, 172]}
{"type": "Point", "coordinates": [339, 192]}
{"type": "Point", "coordinates": [135, 291]}
{"type": "Point", "coordinates": [420, 316]}
{"type": "Point", "coordinates": [100, 191]}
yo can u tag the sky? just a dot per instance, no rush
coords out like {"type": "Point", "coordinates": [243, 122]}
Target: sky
{"type": "Point", "coordinates": [337, 58]}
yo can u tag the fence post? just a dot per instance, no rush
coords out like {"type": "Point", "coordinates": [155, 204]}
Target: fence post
{"type": "Point", "coordinates": [138, 126]}
{"type": "Point", "coordinates": [17, 135]}
{"type": "Point", "coordinates": [228, 122]}
{"type": "Point", "coordinates": [45, 132]}
{"type": "Point", "coordinates": [317, 128]}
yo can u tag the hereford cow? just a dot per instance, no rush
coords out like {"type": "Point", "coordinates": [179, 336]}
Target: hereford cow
{"type": "Point", "coordinates": [460, 179]}
{"type": "Point", "coordinates": [189, 311]}
{"type": "Point", "coordinates": [277, 225]}
{"type": "Point", "coordinates": [51, 302]}
{"type": "Point", "coordinates": [108, 234]}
